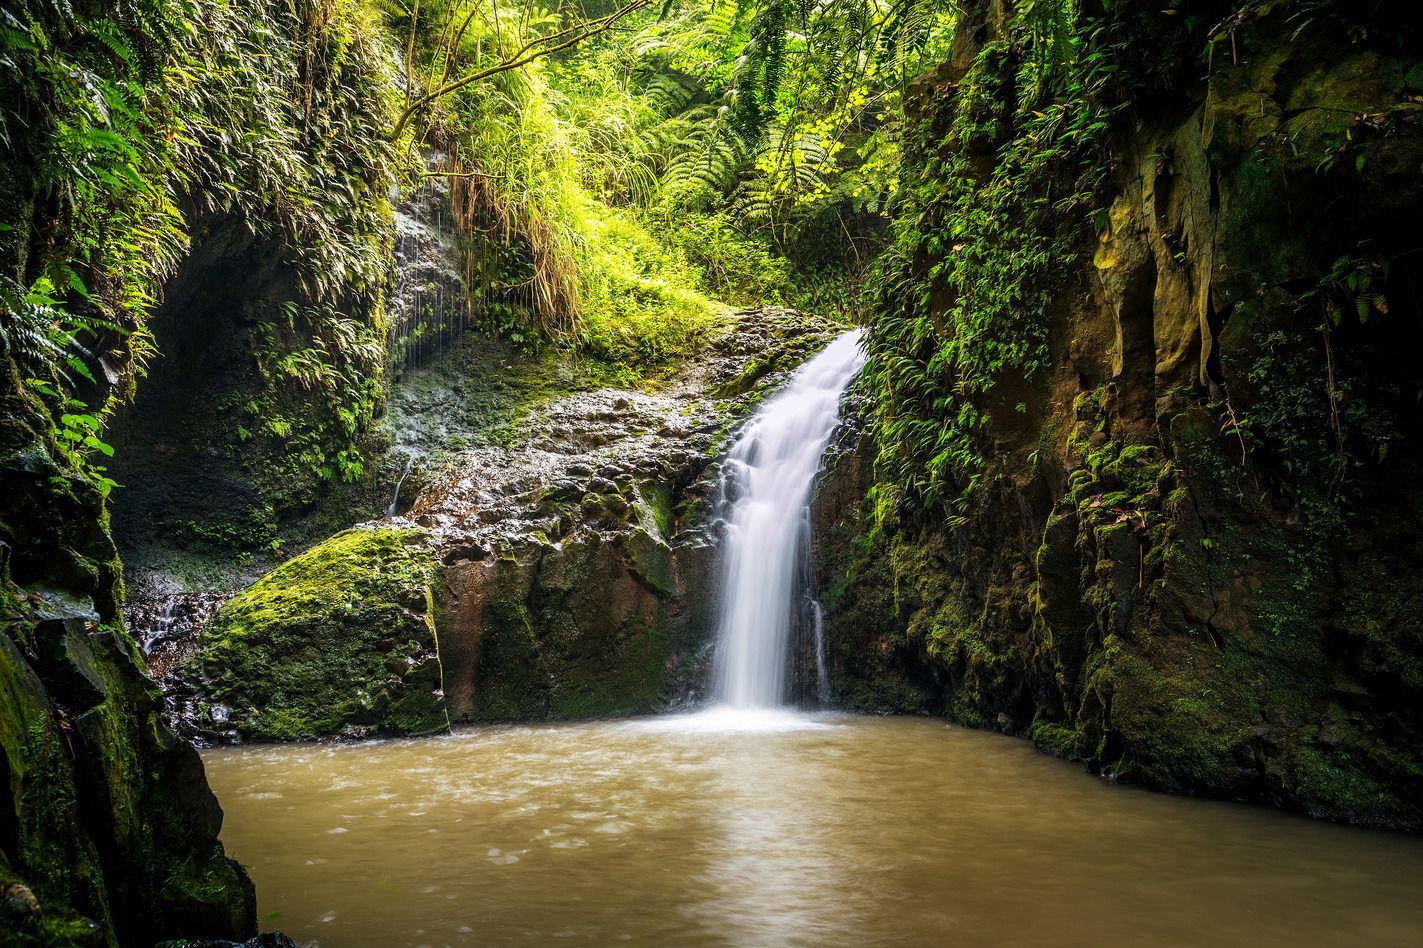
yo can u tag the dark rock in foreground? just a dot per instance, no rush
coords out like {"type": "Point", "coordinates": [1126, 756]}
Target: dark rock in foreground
{"type": "Point", "coordinates": [108, 831]}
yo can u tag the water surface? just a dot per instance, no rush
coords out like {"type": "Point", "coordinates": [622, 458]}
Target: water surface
{"type": "Point", "coordinates": [746, 830]}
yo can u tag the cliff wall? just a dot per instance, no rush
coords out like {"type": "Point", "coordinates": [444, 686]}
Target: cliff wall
{"type": "Point", "coordinates": [1160, 360]}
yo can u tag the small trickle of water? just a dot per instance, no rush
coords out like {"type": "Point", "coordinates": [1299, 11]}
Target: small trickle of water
{"type": "Point", "coordinates": [766, 485]}
{"type": "Point", "coordinates": [167, 628]}
{"type": "Point", "coordinates": [395, 495]}
{"type": "Point", "coordinates": [822, 673]}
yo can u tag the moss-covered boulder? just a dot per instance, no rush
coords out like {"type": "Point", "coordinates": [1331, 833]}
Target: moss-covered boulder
{"type": "Point", "coordinates": [339, 640]}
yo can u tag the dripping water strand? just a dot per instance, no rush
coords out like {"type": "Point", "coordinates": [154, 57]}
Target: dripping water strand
{"type": "Point", "coordinates": [400, 482]}
{"type": "Point", "coordinates": [428, 316]}
{"type": "Point", "coordinates": [822, 673]}
{"type": "Point", "coordinates": [810, 613]}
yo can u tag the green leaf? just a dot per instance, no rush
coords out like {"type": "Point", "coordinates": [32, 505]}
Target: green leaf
{"type": "Point", "coordinates": [77, 285]}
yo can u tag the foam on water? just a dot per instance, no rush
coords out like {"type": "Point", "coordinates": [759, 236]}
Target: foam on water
{"type": "Point", "coordinates": [722, 719]}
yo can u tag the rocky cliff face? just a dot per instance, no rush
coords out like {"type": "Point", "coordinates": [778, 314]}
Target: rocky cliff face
{"type": "Point", "coordinates": [872, 661]}
{"type": "Point", "coordinates": [1189, 555]}
{"type": "Point", "coordinates": [253, 427]}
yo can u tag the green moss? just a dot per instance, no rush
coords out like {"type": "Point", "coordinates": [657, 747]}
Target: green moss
{"type": "Point", "coordinates": [631, 682]}
{"type": "Point", "coordinates": [340, 637]}
{"type": "Point", "coordinates": [1056, 738]}
{"type": "Point", "coordinates": [1137, 467]}
{"type": "Point", "coordinates": [109, 810]}
{"type": "Point", "coordinates": [1180, 724]}
{"type": "Point", "coordinates": [756, 369]}
{"type": "Point", "coordinates": [650, 560]}
{"type": "Point", "coordinates": [511, 684]}
{"type": "Point", "coordinates": [1334, 782]}
{"type": "Point", "coordinates": [655, 498]}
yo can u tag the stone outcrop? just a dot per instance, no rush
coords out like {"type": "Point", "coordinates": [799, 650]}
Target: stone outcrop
{"type": "Point", "coordinates": [872, 662]}
{"type": "Point", "coordinates": [1193, 560]}
{"type": "Point", "coordinates": [339, 640]}
{"type": "Point", "coordinates": [566, 573]}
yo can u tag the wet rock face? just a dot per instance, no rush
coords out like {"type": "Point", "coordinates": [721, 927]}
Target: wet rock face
{"type": "Point", "coordinates": [166, 628]}
{"type": "Point", "coordinates": [427, 305]}
{"type": "Point", "coordinates": [596, 627]}
{"type": "Point", "coordinates": [226, 460]}
{"type": "Point", "coordinates": [566, 572]}
{"type": "Point", "coordinates": [108, 831]}
{"type": "Point", "coordinates": [204, 448]}
{"type": "Point", "coordinates": [872, 663]}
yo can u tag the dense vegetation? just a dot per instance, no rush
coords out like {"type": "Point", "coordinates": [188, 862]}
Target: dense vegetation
{"type": "Point", "coordinates": [1013, 185]}
{"type": "Point", "coordinates": [129, 126]}
{"type": "Point", "coordinates": [618, 174]}
{"type": "Point", "coordinates": [706, 152]}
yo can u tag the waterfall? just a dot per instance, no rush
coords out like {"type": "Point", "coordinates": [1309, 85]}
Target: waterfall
{"type": "Point", "coordinates": [766, 485]}
{"type": "Point", "coordinates": [395, 497]}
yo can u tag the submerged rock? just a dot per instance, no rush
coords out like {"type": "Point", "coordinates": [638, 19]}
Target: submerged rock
{"type": "Point", "coordinates": [264, 940]}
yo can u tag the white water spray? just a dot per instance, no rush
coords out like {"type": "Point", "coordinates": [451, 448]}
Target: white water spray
{"type": "Point", "coordinates": [766, 484]}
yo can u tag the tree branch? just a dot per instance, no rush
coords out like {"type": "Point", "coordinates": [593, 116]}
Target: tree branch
{"type": "Point", "coordinates": [456, 174]}
{"type": "Point", "coordinates": [534, 49]}
{"type": "Point", "coordinates": [410, 54]}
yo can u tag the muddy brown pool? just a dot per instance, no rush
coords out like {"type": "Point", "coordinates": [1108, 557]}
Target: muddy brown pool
{"type": "Point", "coordinates": [823, 831]}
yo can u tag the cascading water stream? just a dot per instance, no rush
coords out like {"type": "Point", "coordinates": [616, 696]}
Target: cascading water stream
{"type": "Point", "coordinates": [395, 495]}
{"type": "Point", "coordinates": [766, 485]}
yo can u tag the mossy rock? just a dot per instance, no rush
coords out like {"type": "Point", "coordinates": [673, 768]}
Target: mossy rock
{"type": "Point", "coordinates": [590, 628]}
{"type": "Point", "coordinates": [339, 640]}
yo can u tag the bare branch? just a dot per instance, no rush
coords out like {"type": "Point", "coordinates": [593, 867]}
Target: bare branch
{"type": "Point", "coordinates": [449, 53]}
{"type": "Point", "coordinates": [423, 175]}
{"type": "Point", "coordinates": [536, 48]}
